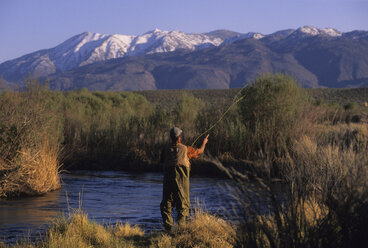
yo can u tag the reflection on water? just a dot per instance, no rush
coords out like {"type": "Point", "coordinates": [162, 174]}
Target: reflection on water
{"type": "Point", "coordinates": [107, 197]}
{"type": "Point", "coordinates": [33, 209]}
{"type": "Point", "coordinates": [19, 217]}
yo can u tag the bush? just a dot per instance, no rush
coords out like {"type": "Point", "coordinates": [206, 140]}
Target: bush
{"type": "Point", "coordinates": [186, 112]}
{"type": "Point", "coordinates": [271, 110]}
{"type": "Point", "coordinates": [351, 106]}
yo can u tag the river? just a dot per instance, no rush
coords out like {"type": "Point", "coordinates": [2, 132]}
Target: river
{"type": "Point", "coordinates": [107, 197]}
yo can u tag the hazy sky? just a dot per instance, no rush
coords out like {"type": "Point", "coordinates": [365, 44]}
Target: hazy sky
{"type": "Point", "coordinates": [30, 25]}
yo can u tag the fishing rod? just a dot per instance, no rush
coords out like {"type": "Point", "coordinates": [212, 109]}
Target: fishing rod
{"type": "Point", "coordinates": [236, 99]}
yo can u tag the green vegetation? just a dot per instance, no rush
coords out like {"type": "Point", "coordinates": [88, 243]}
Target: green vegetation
{"type": "Point", "coordinates": [124, 131]}
{"type": "Point", "coordinates": [315, 146]}
{"type": "Point", "coordinates": [340, 96]}
{"type": "Point", "coordinates": [223, 97]}
{"type": "Point", "coordinates": [272, 112]}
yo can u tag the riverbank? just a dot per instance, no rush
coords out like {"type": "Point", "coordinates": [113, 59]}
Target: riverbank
{"type": "Point", "coordinates": [108, 197]}
{"type": "Point", "coordinates": [202, 230]}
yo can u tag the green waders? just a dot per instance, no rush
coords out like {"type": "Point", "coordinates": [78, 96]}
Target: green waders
{"type": "Point", "coordinates": [175, 194]}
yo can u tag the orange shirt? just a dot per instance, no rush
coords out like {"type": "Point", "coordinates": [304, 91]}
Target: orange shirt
{"type": "Point", "coordinates": [192, 152]}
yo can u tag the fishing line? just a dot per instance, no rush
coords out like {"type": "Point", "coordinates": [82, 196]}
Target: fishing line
{"type": "Point", "coordinates": [236, 99]}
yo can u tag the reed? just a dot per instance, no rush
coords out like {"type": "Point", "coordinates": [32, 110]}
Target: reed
{"type": "Point", "coordinates": [29, 143]}
{"type": "Point", "coordinates": [323, 201]}
{"type": "Point", "coordinates": [34, 171]}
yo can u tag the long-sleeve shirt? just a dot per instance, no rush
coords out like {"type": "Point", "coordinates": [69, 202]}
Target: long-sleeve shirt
{"type": "Point", "coordinates": [192, 152]}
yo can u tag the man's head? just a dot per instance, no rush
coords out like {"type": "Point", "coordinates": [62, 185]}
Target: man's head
{"type": "Point", "coordinates": [175, 134]}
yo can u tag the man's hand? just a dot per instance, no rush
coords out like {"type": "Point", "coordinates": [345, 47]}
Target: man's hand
{"type": "Point", "coordinates": [201, 150]}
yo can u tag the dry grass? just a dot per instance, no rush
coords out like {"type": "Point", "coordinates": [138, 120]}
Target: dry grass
{"type": "Point", "coordinates": [300, 219]}
{"type": "Point", "coordinates": [321, 162]}
{"type": "Point", "coordinates": [34, 171]}
{"type": "Point", "coordinates": [314, 211]}
{"type": "Point", "coordinates": [203, 230]}
{"type": "Point", "coordinates": [324, 199]}
{"type": "Point", "coordinates": [353, 135]}
{"type": "Point", "coordinates": [29, 143]}
{"type": "Point", "coordinates": [126, 230]}
{"type": "Point", "coordinates": [79, 231]}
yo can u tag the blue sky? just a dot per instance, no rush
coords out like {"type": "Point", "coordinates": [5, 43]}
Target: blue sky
{"type": "Point", "coordinates": [30, 25]}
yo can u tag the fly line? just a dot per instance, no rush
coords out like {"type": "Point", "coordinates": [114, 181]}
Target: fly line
{"type": "Point", "coordinates": [236, 99]}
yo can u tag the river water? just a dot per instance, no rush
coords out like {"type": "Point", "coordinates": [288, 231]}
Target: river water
{"type": "Point", "coordinates": [107, 197]}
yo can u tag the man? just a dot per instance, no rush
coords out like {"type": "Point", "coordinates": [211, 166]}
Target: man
{"type": "Point", "coordinates": [176, 178]}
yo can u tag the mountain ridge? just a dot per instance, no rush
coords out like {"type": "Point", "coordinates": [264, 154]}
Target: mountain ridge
{"type": "Point", "coordinates": [316, 57]}
{"type": "Point", "coordinates": [87, 48]}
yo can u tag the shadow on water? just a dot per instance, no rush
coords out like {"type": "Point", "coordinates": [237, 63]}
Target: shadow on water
{"type": "Point", "coordinates": [107, 197]}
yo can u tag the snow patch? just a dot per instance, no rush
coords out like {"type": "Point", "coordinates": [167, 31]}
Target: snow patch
{"type": "Point", "coordinates": [313, 31]}
{"type": "Point", "coordinates": [331, 32]}
{"type": "Point", "coordinates": [309, 30]}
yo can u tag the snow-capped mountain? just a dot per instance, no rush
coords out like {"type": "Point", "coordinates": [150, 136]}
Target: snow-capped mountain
{"type": "Point", "coordinates": [253, 35]}
{"type": "Point", "coordinates": [88, 48]}
{"type": "Point", "coordinates": [313, 31]}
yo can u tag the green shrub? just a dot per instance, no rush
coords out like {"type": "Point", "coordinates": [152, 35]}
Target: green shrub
{"type": "Point", "coordinates": [271, 110]}
{"type": "Point", "coordinates": [351, 106]}
{"type": "Point", "coordinates": [186, 112]}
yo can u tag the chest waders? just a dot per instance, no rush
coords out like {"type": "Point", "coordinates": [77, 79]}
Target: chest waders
{"type": "Point", "coordinates": [175, 185]}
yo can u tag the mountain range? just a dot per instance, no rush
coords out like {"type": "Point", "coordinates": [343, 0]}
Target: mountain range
{"type": "Point", "coordinates": [176, 60]}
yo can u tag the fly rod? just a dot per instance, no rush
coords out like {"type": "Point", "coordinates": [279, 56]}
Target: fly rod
{"type": "Point", "coordinates": [236, 99]}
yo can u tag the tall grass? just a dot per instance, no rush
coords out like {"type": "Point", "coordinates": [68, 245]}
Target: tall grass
{"type": "Point", "coordinates": [339, 175]}
{"type": "Point", "coordinates": [29, 143]}
{"type": "Point", "coordinates": [34, 171]}
{"type": "Point", "coordinates": [322, 202]}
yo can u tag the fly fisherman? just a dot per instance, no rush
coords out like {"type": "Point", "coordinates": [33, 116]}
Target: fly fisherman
{"type": "Point", "coordinates": [176, 158]}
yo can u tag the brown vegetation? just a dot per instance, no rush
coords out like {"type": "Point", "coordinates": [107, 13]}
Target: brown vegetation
{"type": "Point", "coordinates": [29, 144]}
{"type": "Point", "coordinates": [203, 230]}
{"type": "Point", "coordinates": [33, 172]}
